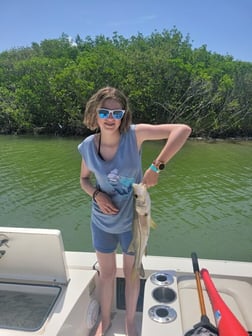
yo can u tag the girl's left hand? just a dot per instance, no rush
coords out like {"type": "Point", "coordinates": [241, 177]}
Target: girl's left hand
{"type": "Point", "coordinates": [150, 178]}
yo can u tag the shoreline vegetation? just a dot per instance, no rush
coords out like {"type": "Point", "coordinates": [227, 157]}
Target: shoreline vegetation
{"type": "Point", "coordinates": [44, 88]}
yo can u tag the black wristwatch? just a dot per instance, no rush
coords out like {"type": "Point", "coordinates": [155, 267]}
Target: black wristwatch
{"type": "Point", "coordinates": [159, 164]}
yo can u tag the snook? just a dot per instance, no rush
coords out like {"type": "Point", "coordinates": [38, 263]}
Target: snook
{"type": "Point", "coordinates": [141, 226]}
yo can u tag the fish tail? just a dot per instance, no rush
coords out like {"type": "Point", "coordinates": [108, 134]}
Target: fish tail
{"type": "Point", "coordinates": [141, 271]}
{"type": "Point", "coordinates": [137, 272]}
{"type": "Point", "coordinates": [145, 251]}
{"type": "Point", "coordinates": [134, 274]}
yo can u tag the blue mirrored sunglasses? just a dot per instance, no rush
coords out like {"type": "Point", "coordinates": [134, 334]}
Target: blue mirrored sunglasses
{"type": "Point", "coordinates": [105, 113]}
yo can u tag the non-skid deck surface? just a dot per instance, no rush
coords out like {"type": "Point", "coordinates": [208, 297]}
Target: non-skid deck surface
{"type": "Point", "coordinates": [118, 325]}
{"type": "Point", "coordinates": [24, 311]}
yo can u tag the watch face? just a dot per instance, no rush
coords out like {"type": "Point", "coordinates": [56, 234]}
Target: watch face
{"type": "Point", "coordinates": [161, 166]}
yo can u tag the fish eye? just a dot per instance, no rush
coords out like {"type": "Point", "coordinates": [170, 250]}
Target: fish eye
{"type": "Point", "coordinates": [135, 196]}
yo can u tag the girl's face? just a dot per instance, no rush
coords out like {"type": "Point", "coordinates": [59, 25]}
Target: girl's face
{"type": "Point", "coordinates": [110, 123]}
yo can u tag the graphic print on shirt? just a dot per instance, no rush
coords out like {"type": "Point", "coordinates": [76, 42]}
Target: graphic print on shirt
{"type": "Point", "coordinates": [121, 184]}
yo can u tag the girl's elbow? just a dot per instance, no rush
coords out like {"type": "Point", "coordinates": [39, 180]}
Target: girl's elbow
{"type": "Point", "coordinates": [187, 130]}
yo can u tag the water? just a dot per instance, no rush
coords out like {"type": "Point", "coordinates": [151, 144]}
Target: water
{"type": "Point", "coordinates": [202, 202]}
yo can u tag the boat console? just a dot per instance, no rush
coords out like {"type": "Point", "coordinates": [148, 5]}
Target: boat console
{"type": "Point", "coordinates": [161, 312]}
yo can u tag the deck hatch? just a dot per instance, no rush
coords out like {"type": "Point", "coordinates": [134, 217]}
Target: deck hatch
{"type": "Point", "coordinates": [33, 273]}
{"type": "Point", "coordinates": [32, 255]}
{"type": "Point", "coordinates": [26, 307]}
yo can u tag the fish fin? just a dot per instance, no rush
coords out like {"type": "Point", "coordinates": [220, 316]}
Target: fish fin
{"type": "Point", "coordinates": [131, 248]}
{"type": "Point", "coordinates": [153, 224]}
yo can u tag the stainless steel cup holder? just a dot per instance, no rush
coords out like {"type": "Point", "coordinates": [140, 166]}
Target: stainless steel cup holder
{"type": "Point", "coordinates": [164, 294]}
{"type": "Point", "coordinates": [162, 314]}
{"type": "Point", "coordinates": [162, 278]}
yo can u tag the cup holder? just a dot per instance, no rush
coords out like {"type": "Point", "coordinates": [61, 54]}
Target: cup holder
{"type": "Point", "coordinates": [162, 314]}
{"type": "Point", "coordinates": [162, 278]}
{"type": "Point", "coordinates": [164, 294]}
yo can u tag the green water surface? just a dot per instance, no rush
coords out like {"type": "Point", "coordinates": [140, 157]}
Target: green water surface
{"type": "Point", "coordinates": [202, 202]}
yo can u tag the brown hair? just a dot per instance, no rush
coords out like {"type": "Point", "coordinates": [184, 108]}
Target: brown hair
{"type": "Point", "coordinates": [90, 115]}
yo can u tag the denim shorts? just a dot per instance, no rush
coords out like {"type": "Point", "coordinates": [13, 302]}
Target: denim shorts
{"type": "Point", "coordinates": [106, 242]}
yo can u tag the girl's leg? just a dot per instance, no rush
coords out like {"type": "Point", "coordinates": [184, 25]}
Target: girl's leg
{"type": "Point", "coordinates": [107, 268]}
{"type": "Point", "coordinates": [131, 294]}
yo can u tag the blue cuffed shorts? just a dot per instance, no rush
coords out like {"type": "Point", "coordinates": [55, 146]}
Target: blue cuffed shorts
{"type": "Point", "coordinates": [106, 242]}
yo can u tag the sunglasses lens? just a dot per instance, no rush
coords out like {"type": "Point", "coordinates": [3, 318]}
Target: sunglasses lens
{"type": "Point", "coordinates": [103, 114]}
{"type": "Point", "coordinates": [118, 114]}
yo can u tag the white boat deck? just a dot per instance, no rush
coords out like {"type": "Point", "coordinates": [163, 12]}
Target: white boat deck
{"type": "Point", "coordinates": [76, 309]}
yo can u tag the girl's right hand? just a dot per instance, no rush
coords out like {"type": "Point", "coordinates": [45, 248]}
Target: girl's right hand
{"type": "Point", "coordinates": [105, 204]}
{"type": "Point", "coordinates": [150, 178]}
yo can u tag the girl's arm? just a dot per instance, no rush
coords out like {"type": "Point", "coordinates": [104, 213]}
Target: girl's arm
{"type": "Point", "coordinates": [85, 181]}
{"type": "Point", "coordinates": [102, 199]}
{"type": "Point", "coordinates": [176, 135]}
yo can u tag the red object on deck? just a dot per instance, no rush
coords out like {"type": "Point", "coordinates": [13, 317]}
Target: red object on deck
{"type": "Point", "coordinates": [227, 323]}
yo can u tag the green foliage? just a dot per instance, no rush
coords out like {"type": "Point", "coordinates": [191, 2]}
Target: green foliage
{"type": "Point", "coordinates": [44, 88]}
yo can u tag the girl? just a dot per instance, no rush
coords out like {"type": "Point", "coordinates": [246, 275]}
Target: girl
{"type": "Point", "coordinates": [113, 155]}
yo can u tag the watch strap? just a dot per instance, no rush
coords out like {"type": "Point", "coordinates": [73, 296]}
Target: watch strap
{"type": "Point", "coordinates": [154, 168]}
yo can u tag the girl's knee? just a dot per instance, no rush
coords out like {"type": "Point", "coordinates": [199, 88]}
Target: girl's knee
{"type": "Point", "coordinates": [108, 273]}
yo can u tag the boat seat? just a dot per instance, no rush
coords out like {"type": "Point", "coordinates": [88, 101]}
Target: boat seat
{"type": "Point", "coordinates": [237, 294]}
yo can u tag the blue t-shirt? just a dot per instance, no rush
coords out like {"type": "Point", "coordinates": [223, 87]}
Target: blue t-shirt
{"type": "Point", "coordinates": [115, 178]}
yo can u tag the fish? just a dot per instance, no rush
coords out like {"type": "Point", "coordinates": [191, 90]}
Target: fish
{"type": "Point", "coordinates": [142, 222]}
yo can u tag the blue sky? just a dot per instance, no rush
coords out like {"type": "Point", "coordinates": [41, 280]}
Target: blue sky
{"type": "Point", "coordinates": [225, 26]}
